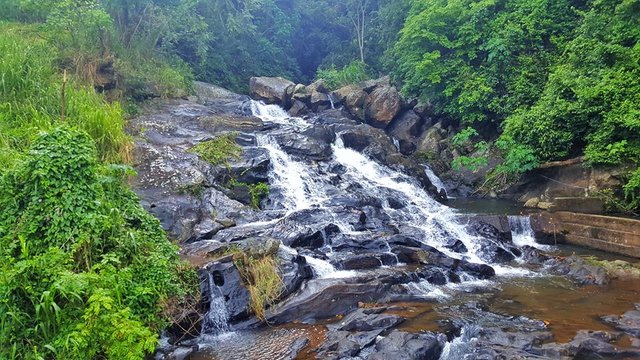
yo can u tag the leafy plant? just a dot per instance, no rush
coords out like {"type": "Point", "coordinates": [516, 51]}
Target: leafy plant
{"type": "Point", "coordinates": [84, 268]}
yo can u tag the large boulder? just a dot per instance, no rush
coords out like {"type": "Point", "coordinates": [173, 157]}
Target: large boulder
{"type": "Point", "coordinates": [383, 105]}
{"type": "Point", "coordinates": [406, 129]}
{"type": "Point", "coordinates": [273, 90]}
{"type": "Point", "coordinates": [354, 98]}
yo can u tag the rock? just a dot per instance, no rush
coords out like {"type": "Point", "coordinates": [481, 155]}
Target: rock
{"type": "Point", "coordinates": [364, 261]}
{"type": "Point", "coordinates": [545, 205]}
{"type": "Point", "coordinates": [383, 105]}
{"type": "Point", "coordinates": [206, 93]}
{"type": "Point", "coordinates": [580, 271]}
{"type": "Point", "coordinates": [294, 271]}
{"type": "Point", "coordinates": [429, 142]}
{"type": "Point", "coordinates": [353, 98]}
{"type": "Point", "coordinates": [367, 320]}
{"type": "Point", "coordinates": [273, 90]}
{"type": "Point", "coordinates": [345, 344]}
{"type": "Point", "coordinates": [406, 346]}
{"type": "Point", "coordinates": [629, 322]}
{"type": "Point", "coordinates": [313, 143]}
{"type": "Point", "coordinates": [406, 128]}
{"type": "Point", "coordinates": [298, 108]}
{"type": "Point", "coordinates": [370, 85]}
{"type": "Point", "coordinates": [301, 94]}
{"type": "Point", "coordinates": [423, 109]}
{"type": "Point", "coordinates": [223, 276]}
{"type": "Point", "coordinates": [319, 101]}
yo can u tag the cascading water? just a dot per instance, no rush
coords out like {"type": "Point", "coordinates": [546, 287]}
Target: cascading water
{"type": "Point", "coordinates": [522, 232]}
{"type": "Point", "coordinates": [435, 180]}
{"type": "Point", "coordinates": [216, 321]}
{"type": "Point", "coordinates": [301, 186]}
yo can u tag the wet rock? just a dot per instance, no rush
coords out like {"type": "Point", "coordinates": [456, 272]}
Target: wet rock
{"type": "Point", "coordinates": [345, 344]}
{"type": "Point", "coordinates": [273, 90]}
{"type": "Point", "coordinates": [251, 168]}
{"type": "Point", "coordinates": [298, 108]}
{"type": "Point", "coordinates": [457, 246]}
{"type": "Point", "coordinates": [588, 345]}
{"type": "Point", "coordinates": [629, 322]}
{"type": "Point", "coordinates": [319, 101]}
{"type": "Point", "coordinates": [312, 144]}
{"type": "Point", "coordinates": [406, 128]}
{"type": "Point", "coordinates": [294, 271]}
{"type": "Point", "coordinates": [178, 214]}
{"type": "Point", "coordinates": [407, 346]}
{"type": "Point", "coordinates": [364, 261]}
{"type": "Point", "coordinates": [580, 271]}
{"type": "Point", "coordinates": [225, 277]}
{"type": "Point", "coordinates": [367, 320]}
{"type": "Point", "coordinates": [383, 105]}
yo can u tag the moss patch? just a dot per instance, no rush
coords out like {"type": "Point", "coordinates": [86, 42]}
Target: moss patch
{"type": "Point", "coordinates": [220, 150]}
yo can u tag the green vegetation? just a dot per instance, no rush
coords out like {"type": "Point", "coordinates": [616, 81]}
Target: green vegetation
{"type": "Point", "coordinates": [353, 73]}
{"type": "Point", "coordinates": [30, 100]}
{"type": "Point", "coordinates": [220, 150]}
{"type": "Point", "coordinates": [84, 268]}
{"type": "Point", "coordinates": [555, 78]}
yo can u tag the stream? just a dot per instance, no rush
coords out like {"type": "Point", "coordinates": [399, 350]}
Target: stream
{"type": "Point", "coordinates": [368, 226]}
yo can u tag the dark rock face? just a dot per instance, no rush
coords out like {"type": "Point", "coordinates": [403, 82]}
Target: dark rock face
{"type": "Point", "coordinates": [227, 279]}
{"type": "Point", "coordinates": [345, 344]}
{"type": "Point", "coordinates": [629, 322]}
{"type": "Point", "coordinates": [579, 270]}
{"type": "Point", "coordinates": [367, 320]}
{"type": "Point", "coordinates": [406, 128]}
{"type": "Point", "coordinates": [272, 90]}
{"type": "Point", "coordinates": [408, 346]}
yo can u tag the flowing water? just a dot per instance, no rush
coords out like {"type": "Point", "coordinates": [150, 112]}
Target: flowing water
{"type": "Point", "coordinates": [299, 185]}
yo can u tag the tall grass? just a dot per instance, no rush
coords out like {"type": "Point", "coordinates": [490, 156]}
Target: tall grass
{"type": "Point", "coordinates": [31, 101]}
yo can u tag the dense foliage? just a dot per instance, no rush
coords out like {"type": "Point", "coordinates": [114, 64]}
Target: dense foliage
{"type": "Point", "coordinates": [555, 78]}
{"type": "Point", "coordinates": [84, 268]}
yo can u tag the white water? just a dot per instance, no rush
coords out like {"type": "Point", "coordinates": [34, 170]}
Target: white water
{"type": "Point", "coordinates": [460, 348]}
{"type": "Point", "coordinates": [435, 180]}
{"type": "Point", "coordinates": [422, 212]}
{"type": "Point", "coordinates": [522, 232]}
{"type": "Point", "coordinates": [301, 187]}
{"type": "Point", "coordinates": [333, 106]}
{"type": "Point", "coordinates": [216, 320]}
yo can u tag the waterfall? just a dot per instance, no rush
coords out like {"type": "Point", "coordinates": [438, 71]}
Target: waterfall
{"type": "Point", "coordinates": [522, 232]}
{"type": "Point", "coordinates": [299, 184]}
{"type": "Point", "coordinates": [435, 180]}
{"type": "Point", "coordinates": [333, 106]}
{"type": "Point", "coordinates": [216, 321]}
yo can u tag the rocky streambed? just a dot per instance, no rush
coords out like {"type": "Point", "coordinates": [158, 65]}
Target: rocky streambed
{"type": "Point", "coordinates": [370, 263]}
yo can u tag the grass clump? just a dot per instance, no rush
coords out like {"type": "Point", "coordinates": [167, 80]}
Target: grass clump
{"type": "Point", "coordinates": [220, 150]}
{"type": "Point", "coordinates": [260, 276]}
{"type": "Point", "coordinates": [84, 269]}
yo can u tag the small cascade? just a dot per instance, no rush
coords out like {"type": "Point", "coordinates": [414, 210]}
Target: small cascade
{"type": "Point", "coordinates": [522, 232]}
{"type": "Point", "coordinates": [333, 106]}
{"type": "Point", "coordinates": [216, 321]}
{"type": "Point", "coordinates": [287, 175]}
{"type": "Point", "coordinates": [274, 114]}
{"type": "Point", "coordinates": [461, 346]}
{"type": "Point", "coordinates": [396, 143]}
{"type": "Point", "coordinates": [435, 180]}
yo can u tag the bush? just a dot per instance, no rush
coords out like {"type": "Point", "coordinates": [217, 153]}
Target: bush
{"type": "Point", "coordinates": [84, 268]}
{"type": "Point", "coordinates": [353, 73]}
{"type": "Point", "coordinates": [220, 150]}
{"type": "Point", "coordinates": [30, 99]}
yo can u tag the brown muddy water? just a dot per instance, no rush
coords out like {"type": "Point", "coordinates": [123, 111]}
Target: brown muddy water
{"type": "Point", "coordinates": [564, 306]}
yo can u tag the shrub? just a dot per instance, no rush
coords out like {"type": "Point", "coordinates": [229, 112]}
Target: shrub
{"type": "Point", "coordinates": [353, 73]}
{"type": "Point", "coordinates": [84, 268]}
